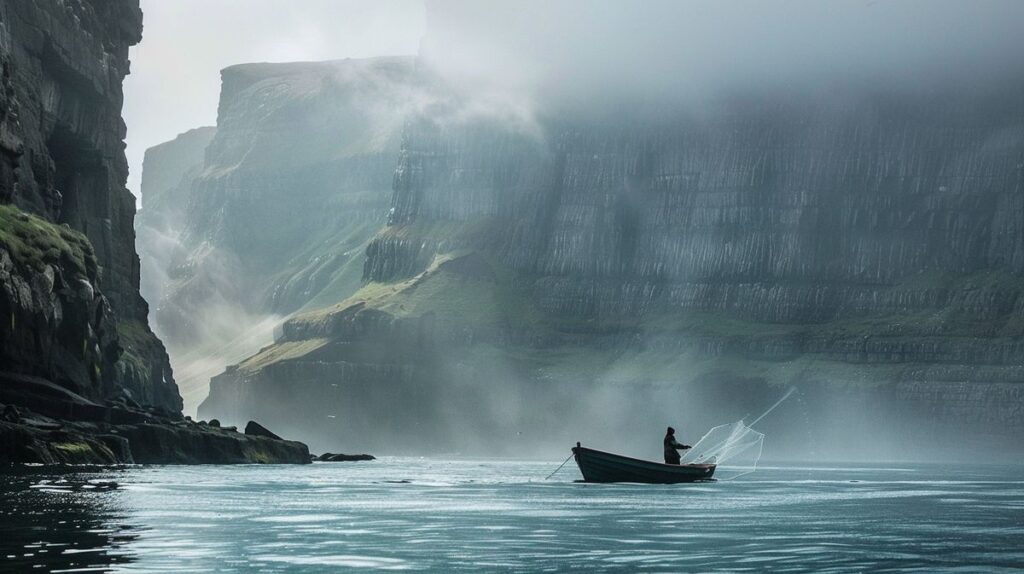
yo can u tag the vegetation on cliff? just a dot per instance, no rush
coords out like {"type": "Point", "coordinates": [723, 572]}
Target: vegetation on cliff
{"type": "Point", "coordinates": [34, 243]}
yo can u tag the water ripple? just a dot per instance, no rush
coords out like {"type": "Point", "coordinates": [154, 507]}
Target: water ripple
{"type": "Point", "coordinates": [500, 516]}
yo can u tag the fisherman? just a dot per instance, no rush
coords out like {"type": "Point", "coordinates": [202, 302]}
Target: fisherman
{"type": "Point", "coordinates": [672, 447]}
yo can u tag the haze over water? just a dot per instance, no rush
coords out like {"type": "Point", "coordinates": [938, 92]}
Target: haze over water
{"type": "Point", "coordinates": [434, 514]}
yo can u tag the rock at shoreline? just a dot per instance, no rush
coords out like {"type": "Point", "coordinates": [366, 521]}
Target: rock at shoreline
{"type": "Point", "coordinates": [331, 457]}
{"type": "Point", "coordinates": [29, 444]}
{"type": "Point", "coordinates": [52, 426]}
{"type": "Point", "coordinates": [152, 442]}
{"type": "Point", "coordinates": [164, 444]}
{"type": "Point", "coordinates": [254, 428]}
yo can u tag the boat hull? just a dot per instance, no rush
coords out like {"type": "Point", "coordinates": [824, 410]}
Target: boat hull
{"type": "Point", "coordinates": [600, 466]}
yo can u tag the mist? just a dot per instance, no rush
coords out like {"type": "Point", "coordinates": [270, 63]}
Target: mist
{"type": "Point", "coordinates": [536, 67]}
{"type": "Point", "coordinates": [523, 285]}
{"type": "Point", "coordinates": [174, 87]}
{"type": "Point", "coordinates": [587, 55]}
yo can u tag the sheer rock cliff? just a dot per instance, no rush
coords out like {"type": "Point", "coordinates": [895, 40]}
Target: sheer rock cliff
{"type": "Point", "coordinates": [291, 188]}
{"type": "Point", "coordinates": [63, 162]}
{"type": "Point", "coordinates": [167, 173]}
{"type": "Point", "coordinates": [607, 274]}
{"type": "Point", "coordinates": [80, 368]}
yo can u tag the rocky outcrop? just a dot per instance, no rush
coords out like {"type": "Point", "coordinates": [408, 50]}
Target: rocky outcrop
{"type": "Point", "coordinates": [868, 248]}
{"type": "Point", "coordinates": [44, 423]}
{"type": "Point", "coordinates": [131, 436]}
{"type": "Point", "coordinates": [332, 457]}
{"type": "Point", "coordinates": [294, 184]}
{"type": "Point", "coordinates": [191, 443]}
{"type": "Point", "coordinates": [83, 379]}
{"type": "Point", "coordinates": [56, 322]}
{"type": "Point", "coordinates": [253, 428]}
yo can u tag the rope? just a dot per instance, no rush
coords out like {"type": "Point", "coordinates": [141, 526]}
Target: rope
{"type": "Point", "coordinates": [559, 467]}
{"type": "Point", "coordinates": [772, 408]}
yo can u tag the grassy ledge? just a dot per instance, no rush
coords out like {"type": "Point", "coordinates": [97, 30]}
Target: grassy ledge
{"type": "Point", "coordinates": [35, 243]}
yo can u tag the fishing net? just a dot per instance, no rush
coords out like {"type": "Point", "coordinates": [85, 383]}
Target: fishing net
{"type": "Point", "coordinates": [735, 448]}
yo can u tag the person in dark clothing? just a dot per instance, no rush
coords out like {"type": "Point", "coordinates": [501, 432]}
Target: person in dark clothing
{"type": "Point", "coordinates": [672, 447]}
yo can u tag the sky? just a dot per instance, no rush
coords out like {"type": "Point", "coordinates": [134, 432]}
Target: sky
{"type": "Point", "coordinates": [174, 83]}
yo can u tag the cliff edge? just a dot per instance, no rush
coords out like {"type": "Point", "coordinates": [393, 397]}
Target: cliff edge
{"type": "Point", "coordinates": [77, 356]}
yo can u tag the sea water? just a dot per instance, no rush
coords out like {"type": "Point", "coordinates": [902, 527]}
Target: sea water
{"type": "Point", "coordinates": [493, 515]}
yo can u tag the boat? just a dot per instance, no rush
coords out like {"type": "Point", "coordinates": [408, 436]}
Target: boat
{"type": "Point", "coordinates": [600, 466]}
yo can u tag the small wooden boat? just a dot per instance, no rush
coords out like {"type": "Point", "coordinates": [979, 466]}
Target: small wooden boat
{"type": "Point", "coordinates": [599, 466]}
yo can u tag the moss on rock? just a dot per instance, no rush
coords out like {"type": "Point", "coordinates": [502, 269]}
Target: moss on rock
{"type": "Point", "coordinates": [35, 243]}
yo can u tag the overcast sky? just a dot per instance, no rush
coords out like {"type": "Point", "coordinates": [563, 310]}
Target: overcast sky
{"type": "Point", "coordinates": [530, 53]}
{"type": "Point", "coordinates": [579, 52]}
{"type": "Point", "coordinates": [175, 81]}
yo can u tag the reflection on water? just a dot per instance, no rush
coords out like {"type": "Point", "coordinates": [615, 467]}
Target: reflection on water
{"type": "Point", "coordinates": [66, 522]}
{"type": "Point", "coordinates": [396, 514]}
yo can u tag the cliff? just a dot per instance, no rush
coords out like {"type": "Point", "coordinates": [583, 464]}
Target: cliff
{"type": "Point", "coordinates": [612, 275]}
{"type": "Point", "coordinates": [63, 162]}
{"type": "Point", "coordinates": [291, 188]}
{"type": "Point", "coordinates": [80, 368]}
{"type": "Point", "coordinates": [167, 174]}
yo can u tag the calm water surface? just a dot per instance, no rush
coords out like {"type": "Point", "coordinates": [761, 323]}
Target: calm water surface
{"type": "Point", "coordinates": [443, 515]}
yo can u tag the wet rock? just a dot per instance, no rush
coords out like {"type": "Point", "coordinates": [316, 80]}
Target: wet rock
{"type": "Point", "coordinates": [29, 444]}
{"type": "Point", "coordinates": [331, 457]}
{"type": "Point", "coordinates": [118, 445]}
{"type": "Point", "coordinates": [254, 428]}
{"type": "Point", "coordinates": [65, 428]}
{"type": "Point", "coordinates": [163, 444]}
{"type": "Point", "coordinates": [160, 442]}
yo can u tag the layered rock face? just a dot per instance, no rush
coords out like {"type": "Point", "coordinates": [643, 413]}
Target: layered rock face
{"type": "Point", "coordinates": [167, 174]}
{"type": "Point", "coordinates": [293, 185]}
{"type": "Point", "coordinates": [70, 301]}
{"type": "Point", "coordinates": [83, 379]}
{"type": "Point", "coordinates": [613, 275]}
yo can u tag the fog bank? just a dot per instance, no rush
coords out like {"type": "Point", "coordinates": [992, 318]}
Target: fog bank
{"type": "Point", "coordinates": [594, 52]}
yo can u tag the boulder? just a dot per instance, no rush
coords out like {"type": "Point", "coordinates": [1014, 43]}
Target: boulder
{"type": "Point", "coordinates": [254, 428]}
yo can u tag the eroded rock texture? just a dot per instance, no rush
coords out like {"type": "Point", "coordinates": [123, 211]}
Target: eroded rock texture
{"type": "Point", "coordinates": [277, 216]}
{"type": "Point", "coordinates": [612, 275]}
{"type": "Point", "coordinates": [62, 140]}
{"type": "Point", "coordinates": [83, 379]}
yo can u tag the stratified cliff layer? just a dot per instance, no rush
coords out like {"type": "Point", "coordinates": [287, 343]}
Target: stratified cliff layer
{"type": "Point", "coordinates": [167, 173]}
{"type": "Point", "coordinates": [63, 161]}
{"type": "Point", "coordinates": [83, 379]}
{"type": "Point", "coordinates": [294, 184]}
{"type": "Point", "coordinates": [614, 275]}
